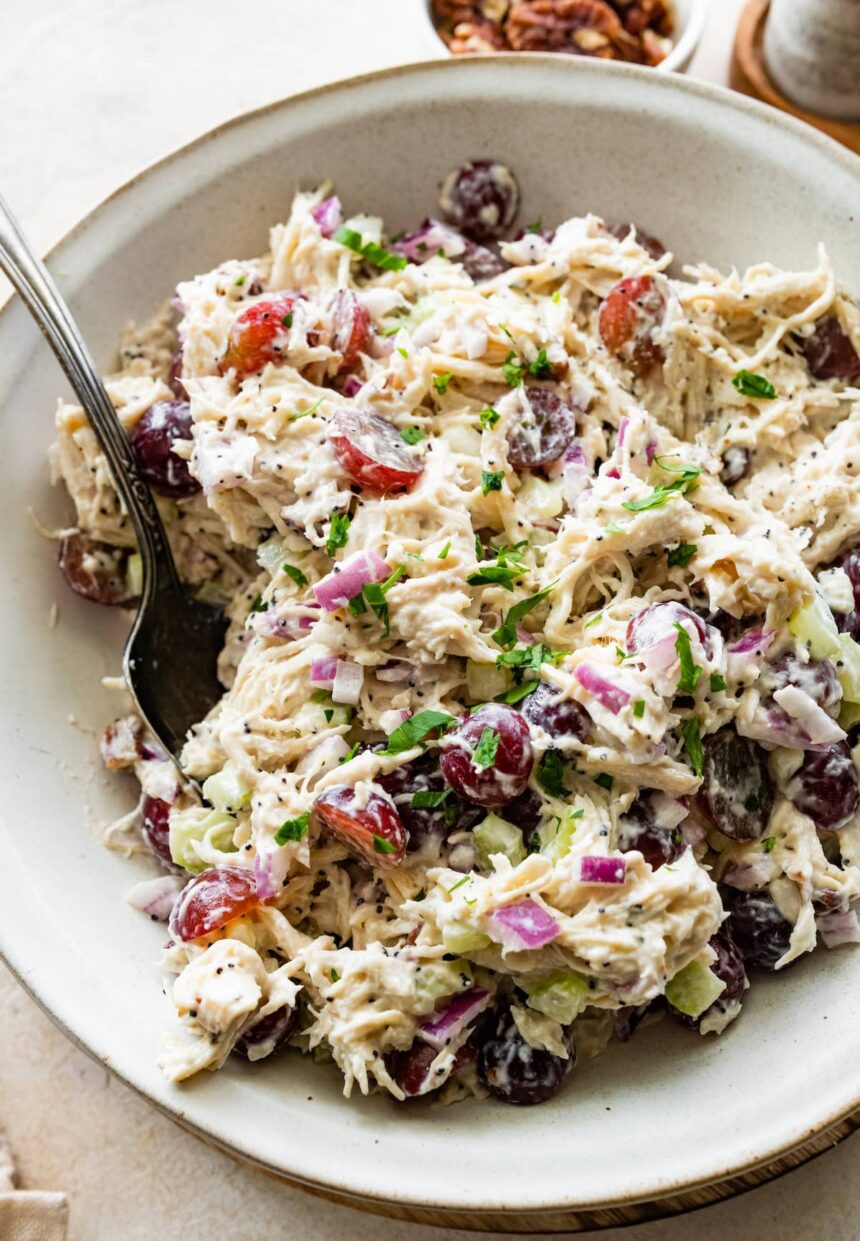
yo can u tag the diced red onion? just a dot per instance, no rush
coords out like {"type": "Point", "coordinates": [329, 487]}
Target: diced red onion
{"type": "Point", "coordinates": [613, 697]}
{"type": "Point", "coordinates": [328, 215]}
{"type": "Point", "coordinates": [750, 876]}
{"type": "Point", "coordinates": [816, 723]}
{"type": "Point", "coordinates": [613, 472]}
{"type": "Point", "coordinates": [337, 588]}
{"type": "Point", "coordinates": [156, 897]}
{"type": "Point", "coordinates": [775, 728]}
{"type": "Point", "coordinates": [352, 385]}
{"type": "Point", "coordinates": [662, 664]}
{"type": "Point", "coordinates": [839, 927]}
{"type": "Point", "coordinates": [603, 871]}
{"type": "Point", "coordinates": [443, 1028]}
{"type": "Point", "coordinates": [323, 671]}
{"type": "Point", "coordinates": [525, 925]}
{"type": "Point", "coordinates": [651, 451]}
{"type": "Point", "coordinates": [427, 241]}
{"type": "Point", "coordinates": [270, 625]}
{"type": "Point", "coordinates": [524, 635]}
{"type": "Point", "coordinates": [263, 876]}
{"type": "Point", "coordinates": [348, 680]}
{"type": "Point", "coordinates": [754, 642]}
{"type": "Point", "coordinates": [575, 473]}
{"type": "Point", "coordinates": [622, 431]}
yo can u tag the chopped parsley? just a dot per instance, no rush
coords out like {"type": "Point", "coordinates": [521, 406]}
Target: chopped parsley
{"type": "Point", "coordinates": [489, 417]}
{"type": "Point", "coordinates": [484, 754]}
{"type": "Point", "coordinates": [288, 319]}
{"type": "Point", "coordinates": [541, 368]}
{"type": "Point", "coordinates": [550, 774]}
{"type": "Point", "coordinates": [693, 745]}
{"type": "Point", "coordinates": [718, 682]}
{"type": "Point", "coordinates": [373, 595]}
{"type": "Point", "coordinates": [598, 616]}
{"type": "Point", "coordinates": [404, 353]}
{"type": "Point", "coordinates": [412, 435]}
{"type": "Point", "coordinates": [506, 634]}
{"type": "Point", "coordinates": [690, 672]}
{"type": "Point", "coordinates": [501, 574]}
{"type": "Point", "coordinates": [517, 693]}
{"type": "Point", "coordinates": [370, 250]}
{"type": "Point", "coordinates": [755, 386]}
{"type": "Point", "coordinates": [305, 413]}
{"type": "Point", "coordinates": [413, 731]}
{"type": "Point", "coordinates": [682, 554]}
{"type": "Point", "coordinates": [512, 369]}
{"type": "Point", "coordinates": [604, 780]}
{"type": "Point", "coordinates": [351, 753]}
{"type": "Point", "coordinates": [526, 659]}
{"type": "Point", "coordinates": [239, 281]}
{"type": "Point", "coordinates": [639, 708]}
{"type": "Point", "coordinates": [440, 382]}
{"type": "Point", "coordinates": [491, 480]}
{"type": "Point", "coordinates": [293, 829]}
{"type": "Point", "coordinates": [429, 799]}
{"type": "Point", "coordinates": [687, 480]}
{"type": "Point", "coordinates": [443, 555]}
{"type": "Point", "coordinates": [381, 845]}
{"type": "Point", "coordinates": [459, 884]}
{"type": "Point", "coordinates": [258, 605]}
{"type": "Point", "coordinates": [335, 976]}
{"type": "Point", "coordinates": [338, 532]}
{"type": "Point", "coordinates": [296, 574]}
{"type": "Point", "coordinates": [768, 843]}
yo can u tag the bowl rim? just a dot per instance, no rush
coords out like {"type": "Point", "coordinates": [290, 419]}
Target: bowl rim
{"type": "Point", "coordinates": [13, 955]}
{"type": "Point", "coordinates": [676, 59]}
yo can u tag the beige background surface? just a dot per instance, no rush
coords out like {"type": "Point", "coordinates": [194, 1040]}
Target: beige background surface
{"type": "Point", "coordinates": [91, 91]}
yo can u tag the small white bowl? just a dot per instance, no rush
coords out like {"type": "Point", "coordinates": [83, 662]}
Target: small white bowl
{"type": "Point", "coordinates": [690, 18]}
{"type": "Point", "coordinates": [653, 1118]}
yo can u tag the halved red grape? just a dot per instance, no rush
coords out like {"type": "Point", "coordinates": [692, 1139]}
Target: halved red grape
{"type": "Point", "coordinates": [729, 968]}
{"type": "Point", "coordinates": [849, 622]}
{"type": "Point", "coordinates": [563, 718]}
{"type": "Point", "coordinates": [258, 335]}
{"type": "Point", "coordinates": [639, 829]}
{"type": "Point", "coordinates": [97, 571]}
{"type": "Point", "coordinates": [426, 823]}
{"type": "Point", "coordinates": [816, 677]}
{"type": "Point", "coordinates": [758, 928]}
{"type": "Point", "coordinates": [503, 737]}
{"type": "Point", "coordinates": [736, 792]}
{"type": "Point", "coordinates": [525, 812]}
{"type": "Point", "coordinates": [156, 828]}
{"type": "Point", "coordinates": [211, 900]}
{"type": "Point", "coordinates": [650, 244]}
{"type": "Point", "coordinates": [372, 452]}
{"type": "Point", "coordinates": [268, 1034]}
{"type": "Point", "coordinates": [656, 622]}
{"type": "Point", "coordinates": [351, 329]}
{"type": "Point", "coordinates": [433, 238]}
{"type": "Point", "coordinates": [829, 352]}
{"type": "Point", "coordinates": [628, 321]}
{"type": "Point", "coordinates": [174, 378]}
{"type": "Point", "coordinates": [370, 827]}
{"type": "Point", "coordinates": [513, 1070]}
{"type": "Point", "coordinates": [544, 429]}
{"type": "Point", "coordinates": [826, 786]}
{"type": "Point", "coordinates": [481, 199]}
{"type": "Point", "coordinates": [153, 438]}
{"type": "Point", "coordinates": [410, 1068]}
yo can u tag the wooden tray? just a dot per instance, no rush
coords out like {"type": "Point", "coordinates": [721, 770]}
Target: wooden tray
{"type": "Point", "coordinates": [748, 75]}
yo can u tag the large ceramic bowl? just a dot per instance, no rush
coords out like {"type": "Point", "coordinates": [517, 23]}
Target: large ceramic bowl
{"type": "Point", "coordinates": [690, 17]}
{"type": "Point", "coordinates": [716, 177]}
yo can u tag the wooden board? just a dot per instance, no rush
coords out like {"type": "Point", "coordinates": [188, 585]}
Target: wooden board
{"type": "Point", "coordinates": [748, 75]}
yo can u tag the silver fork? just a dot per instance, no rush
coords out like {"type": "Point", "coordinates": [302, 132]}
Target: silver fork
{"type": "Point", "coordinates": [170, 656]}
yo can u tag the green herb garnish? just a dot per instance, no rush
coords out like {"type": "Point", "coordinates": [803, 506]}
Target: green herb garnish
{"type": "Point", "coordinates": [429, 799]}
{"type": "Point", "coordinates": [412, 435]}
{"type": "Point", "coordinates": [690, 672]}
{"type": "Point", "coordinates": [258, 605]}
{"type": "Point", "coordinates": [550, 774]}
{"type": "Point", "coordinates": [541, 368]}
{"type": "Point", "coordinates": [413, 731]}
{"type": "Point", "coordinates": [288, 319]}
{"type": "Point", "coordinates": [506, 634]}
{"type": "Point", "coordinates": [604, 780]}
{"type": "Point", "coordinates": [443, 555]}
{"type": "Point", "coordinates": [687, 480]}
{"type": "Point", "coordinates": [484, 754]}
{"type": "Point", "coordinates": [755, 386]}
{"type": "Point", "coordinates": [440, 382]}
{"type": "Point", "coordinates": [335, 976]}
{"type": "Point", "coordinates": [682, 554]}
{"type": "Point", "coordinates": [693, 745]}
{"type": "Point", "coordinates": [512, 369]}
{"type": "Point", "coordinates": [459, 884]}
{"type": "Point", "coordinates": [370, 250]}
{"type": "Point", "coordinates": [351, 752]}
{"type": "Point", "coordinates": [500, 574]}
{"type": "Point", "coordinates": [491, 480]}
{"type": "Point", "coordinates": [373, 596]}
{"type": "Point", "coordinates": [718, 682]}
{"type": "Point", "coordinates": [296, 574]}
{"type": "Point", "coordinates": [381, 845]}
{"type": "Point", "coordinates": [293, 829]}
{"type": "Point", "coordinates": [305, 413]}
{"type": "Point", "coordinates": [489, 417]}
{"type": "Point", "coordinates": [639, 708]}
{"type": "Point", "coordinates": [338, 532]}
{"type": "Point", "coordinates": [768, 843]}
{"type": "Point", "coordinates": [517, 693]}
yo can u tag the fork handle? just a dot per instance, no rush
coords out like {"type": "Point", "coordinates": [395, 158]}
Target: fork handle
{"type": "Point", "coordinates": [40, 295]}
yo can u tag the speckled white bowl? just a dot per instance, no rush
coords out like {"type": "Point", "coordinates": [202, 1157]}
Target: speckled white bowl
{"type": "Point", "coordinates": [716, 177]}
{"type": "Point", "coordinates": [690, 18]}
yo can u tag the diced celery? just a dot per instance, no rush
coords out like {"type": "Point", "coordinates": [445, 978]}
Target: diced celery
{"type": "Point", "coordinates": [495, 835]}
{"type": "Point", "coordinates": [134, 575]}
{"type": "Point", "coordinates": [693, 989]}
{"type": "Point", "coordinates": [458, 937]}
{"type": "Point", "coordinates": [814, 624]}
{"type": "Point", "coordinates": [561, 996]}
{"type": "Point", "coordinates": [271, 553]}
{"type": "Point", "coordinates": [190, 826]}
{"type": "Point", "coordinates": [557, 837]}
{"type": "Point", "coordinates": [440, 978]}
{"type": "Point", "coordinates": [542, 498]}
{"type": "Point", "coordinates": [848, 668]}
{"type": "Point", "coordinates": [849, 715]}
{"type": "Point", "coordinates": [485, 681]}
{"type": "Point", "coordinates": [225, 792]}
